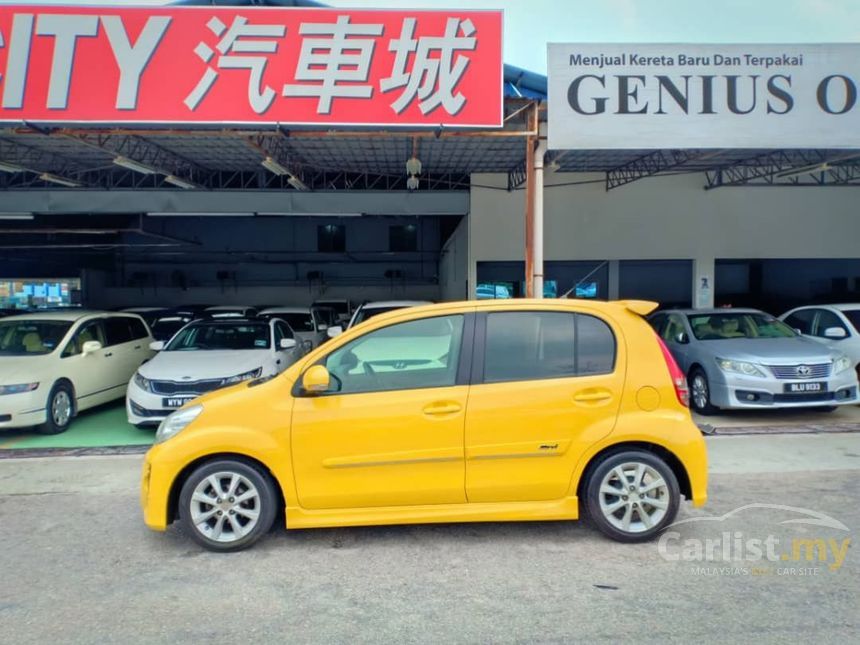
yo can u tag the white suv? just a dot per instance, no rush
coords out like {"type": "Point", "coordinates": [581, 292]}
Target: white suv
{"type": "Point", "coordinates": [55, 364]}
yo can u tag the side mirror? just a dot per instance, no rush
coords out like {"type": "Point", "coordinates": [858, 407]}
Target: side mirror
{"type": "Point", "coordinates": [835, 332]}
{"type": "Point", "coordinates": [90, 347]}
{"type": "Point", "coordinates": [682, 338]}
{"type": "Point", "coordinates": [797, 331]}
{"type": "Point", "coordinates": [157, 345]}
{"type": "Point", "coordinates": [287, 343]}
{"type": "Point", "coordinates": [334, 332]}
{"type": "Point", "coordinates": [316, 380]}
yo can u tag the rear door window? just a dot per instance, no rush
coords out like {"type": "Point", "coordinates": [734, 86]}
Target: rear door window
{"type": "Point", "coordinates": [117, 330]}
{"type": "Point", "coordinates": [526, 346]}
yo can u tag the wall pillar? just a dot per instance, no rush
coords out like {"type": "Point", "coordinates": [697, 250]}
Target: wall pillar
{"type": "Point", "coordinates": [613, 277]}
{"type": "Point", "coordinates": [703, 283]}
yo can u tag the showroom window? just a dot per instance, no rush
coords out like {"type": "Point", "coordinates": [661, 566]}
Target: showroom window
{"type": "Point", "coordinates": [331, 238]}
{"type": "Point", "coordinates": [406, 356]}
{"type": "Point", "coordinates": [403, 238]}
{"type": "Point", "coordinates": [526, 346]}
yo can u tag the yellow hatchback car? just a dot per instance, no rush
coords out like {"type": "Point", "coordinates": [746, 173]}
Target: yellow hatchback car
{"type": "Point", "coordinates": [456, 412]}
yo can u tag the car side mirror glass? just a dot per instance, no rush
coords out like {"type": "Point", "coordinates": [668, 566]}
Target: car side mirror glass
{"type": "Point", "coordinates": [287, 343]}
{"type": "Point", "coordinates": [835, 332]}
{"type": "Point", "coordinates": [682, 338]}
{"type": "Point", "coordinates": [333, 332]}
{"type": "Point", "coordinates": [157, 345]}
{"type": "Point", "coordinates": [316, 380]}
{"type": "Point", "coordinates": [91, 346]}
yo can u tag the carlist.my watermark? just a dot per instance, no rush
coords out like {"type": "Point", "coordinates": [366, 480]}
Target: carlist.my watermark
{"type": "Point", "coordinates": [735, 551]}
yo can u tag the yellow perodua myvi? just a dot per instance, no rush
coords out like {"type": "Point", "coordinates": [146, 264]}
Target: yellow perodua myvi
{"type": "Point", "coordinates": [457, 412]}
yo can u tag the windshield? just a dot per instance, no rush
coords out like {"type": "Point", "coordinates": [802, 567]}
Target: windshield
{"type": "Point", "coordinates": [298, 322]}
{"type": "Point", "coordinates": [224, 336]}
{"type": "Point", "coordinates": [367, 314]}
{"type": "Point", "coordinates": [853, 317]}
{"type": "Point", "coordinates": [164, 328]}
{"type": "Point", "coordinates": [723, 326]}
{"type": "Point", "coordinates": [31, 337]}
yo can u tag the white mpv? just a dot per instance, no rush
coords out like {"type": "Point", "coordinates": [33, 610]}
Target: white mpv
{"type": "Point", "coordinates": [55, 364]}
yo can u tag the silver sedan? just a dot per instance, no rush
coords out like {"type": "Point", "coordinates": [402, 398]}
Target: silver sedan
{"type": "Point", "coordinates": [744, 358]}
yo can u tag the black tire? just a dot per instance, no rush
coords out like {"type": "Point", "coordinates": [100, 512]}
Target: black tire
{"type": "Point", "coordinates": [57, 424]}
{"type": "Point", "coordinates": [707, 409]}
{"type": "Point", "coordinates": [265, 505]}
{"type": "Point", "coordinates": [604, 468]}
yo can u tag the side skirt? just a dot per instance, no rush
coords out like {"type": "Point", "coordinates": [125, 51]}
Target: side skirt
{"type": "Point", "coordinates": [566, 508]}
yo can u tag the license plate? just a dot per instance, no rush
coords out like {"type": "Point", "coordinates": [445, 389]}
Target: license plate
{"type": "Point", "coordinates": [802, 388]}
{"type": "Point", "coordinates": [176, 401]}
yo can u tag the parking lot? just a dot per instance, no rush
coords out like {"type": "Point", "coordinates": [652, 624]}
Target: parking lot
{"type": "Point", "coordinates": [78, 555]}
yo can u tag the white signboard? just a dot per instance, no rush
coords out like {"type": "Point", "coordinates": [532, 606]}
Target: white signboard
{"type": "Point", "coordinates": [703, 96]}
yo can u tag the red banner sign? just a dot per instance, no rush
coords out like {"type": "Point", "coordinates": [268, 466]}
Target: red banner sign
{"type": "Point", "coordinates": [250, 65]}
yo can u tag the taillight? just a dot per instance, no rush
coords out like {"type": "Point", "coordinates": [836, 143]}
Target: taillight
{"type": "Point", "coordinates": [678, 378]}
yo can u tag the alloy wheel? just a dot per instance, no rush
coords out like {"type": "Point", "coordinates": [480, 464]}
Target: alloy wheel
{"type": "Point", "coordinates": [634, 497]}
{"type": "Point", "coordinates": [699, 392]}
{"type": "Point", "coordinates": [225, 507]}
{"type": "Point", "coordinates": [61, 408]}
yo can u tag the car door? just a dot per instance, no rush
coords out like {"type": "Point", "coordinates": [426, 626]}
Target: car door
{"type": "Point", "coordinates": [121, 347]}
{"type": "Point", "coordinates": [545, 386]}
{"type": "Point", "coordinates": [824, 320]}
{"type": "Point", "coordinates": [91, 374]}
{"type": "Point", "coordinates": [140, 340]}
{"type": "Point", "coordinates": [389, 432]}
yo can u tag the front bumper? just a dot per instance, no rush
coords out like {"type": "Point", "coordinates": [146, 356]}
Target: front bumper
{"type": "Point", "coordinates": [734, 391]}
{"type": "Point", "coordinates": [145, 408]}
{"type": "Point", "coordinates": [23, 410]}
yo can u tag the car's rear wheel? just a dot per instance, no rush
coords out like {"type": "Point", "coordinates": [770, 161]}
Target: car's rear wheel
{"type": "Point", "coordinates": [632, 495]}
{"type": "Point", "coordinates": [59, 410]}
{"type": "Point", "coordinates": [700, 392]}
{"type": "Point", "coordinates": [227, 505]}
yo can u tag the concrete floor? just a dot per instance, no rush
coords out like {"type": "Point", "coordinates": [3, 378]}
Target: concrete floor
{"type": "Point", "coordinates": [79, 567]}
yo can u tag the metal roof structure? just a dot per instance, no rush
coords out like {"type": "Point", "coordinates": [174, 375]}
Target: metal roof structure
{"type": "Point", "coordinates": [41, 157]}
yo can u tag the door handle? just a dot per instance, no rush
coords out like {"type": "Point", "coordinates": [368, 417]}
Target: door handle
{"type": "Point", "coordinates": [109, 354]}
{"type": "Point", "coordinates": [138, 346]}
{"type": "Point", "coordinates": [442, 408]}
{"type": "Point", "coordinates": [592, 397]}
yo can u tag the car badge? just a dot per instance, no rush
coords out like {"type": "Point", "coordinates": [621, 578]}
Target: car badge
{"type": "Point", "coordinates": [803, 370]}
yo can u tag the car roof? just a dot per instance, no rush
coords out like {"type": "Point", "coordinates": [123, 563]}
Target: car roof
{"type": "Point", "coordinates": [228, 307]}
{"type": "Point", "coordinates": [845, 306]}
{"type": "Point", "coordinates": [718, 311]}
{"type": "Point", "coordinates": [286, 310]}
{"type": "Point", "coordinates": [229, 321]}
{"type": "Point", "coordinates": [68, 315]}
{"type": "Point", "coordinates": [384, 304]}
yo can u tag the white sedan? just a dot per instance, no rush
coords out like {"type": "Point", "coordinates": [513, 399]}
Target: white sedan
{"type": "Point", "coordinates": [306, 323]}
{"type": "Point", "coordinates": [206, 355]}
{"type": "Point", "coordinates": [55, 364]}
{"type": "Point", "coordinates": [837, 326]}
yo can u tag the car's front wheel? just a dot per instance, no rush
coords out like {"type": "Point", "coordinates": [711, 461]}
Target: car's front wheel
{"type": "Point", "coordinates": [227, 505]}
{"type": "Point", "coordinates": [631, 496]}
{"type": "Point", "coordinates": [700, 392]}
{"type": "Point", "coordinates": [59, 410]}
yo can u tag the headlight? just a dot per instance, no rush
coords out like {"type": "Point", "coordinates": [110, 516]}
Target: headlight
{"type": "Point", "coordinates": [142, 382]}
{"type": "Point", "coordinates": [247, 376]}
{"type": "Point", "coordinates": [740, 367]}
{"type": "Point", "coordinates": [17, 389]}
{"type": "Point", "coordinates": [177, 422]}
{"type": "Point", "coordinates": [841, 364]}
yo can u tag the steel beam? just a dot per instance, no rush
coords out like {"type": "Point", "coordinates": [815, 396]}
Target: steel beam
{"type": "Point", "coordinates": [649, 165]}
{"type": "Point", "coordinates": [788, 168]}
